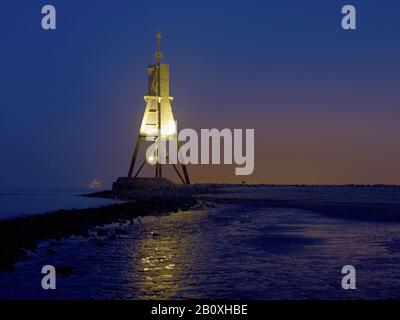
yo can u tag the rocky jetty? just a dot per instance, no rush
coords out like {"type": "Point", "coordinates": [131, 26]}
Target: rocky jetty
{"type": "Point", "coordinates": [156, 190]}
{"type": "Point", "coordinates": [141, 184]}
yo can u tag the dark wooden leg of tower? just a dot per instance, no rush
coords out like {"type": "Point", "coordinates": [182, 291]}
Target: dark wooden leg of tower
{"type": "Point", "coordinates": [134, 156]}
{"type": "Point", "coordinates": [157, 175]}
{"type": "Point", "coordinates": [157, 170]}
{"type": "Point", "coordinates": [141, 167]}
{"type": "Point", "coordinates": [185, 173]}
{"type": "Point", "coordinates": [178, 173]}
{"type": "Point", "coordinates": [158, 164]}
{"type": "Point", "coordinates": [176, 169]}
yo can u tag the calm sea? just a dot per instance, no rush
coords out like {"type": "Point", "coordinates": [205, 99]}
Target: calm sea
{"type": "Point", "coordinates": [236, 251]}
{"type": "Point", "coordinates": [26, 203]}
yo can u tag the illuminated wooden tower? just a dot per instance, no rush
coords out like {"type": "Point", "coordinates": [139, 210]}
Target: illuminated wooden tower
{"type": "Point", "coordinates": [158, 120]}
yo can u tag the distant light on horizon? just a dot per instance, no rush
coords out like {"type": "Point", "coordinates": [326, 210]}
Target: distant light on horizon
{"type": "Point", "coordinates": [95, 184]}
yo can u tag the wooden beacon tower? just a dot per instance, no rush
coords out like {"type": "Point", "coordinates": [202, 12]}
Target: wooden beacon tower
{"type": "Point", "coordinates": [158, 122]}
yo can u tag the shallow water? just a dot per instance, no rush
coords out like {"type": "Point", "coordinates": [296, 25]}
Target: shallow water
{"type": "Point", "coordinates": [18, 203]}
{"type": "Point", "coordinates": [222, 252]}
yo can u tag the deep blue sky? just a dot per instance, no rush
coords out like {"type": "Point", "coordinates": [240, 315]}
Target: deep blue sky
{"type": "Point", "coordinates": [324, 101]}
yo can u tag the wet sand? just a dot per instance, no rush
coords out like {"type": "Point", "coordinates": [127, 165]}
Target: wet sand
{"type": "Point", "coordinates": [222, 251]}
{"type": "Point", "coordinates": [351, 202]}
{"type": "Point", "coordinates": [252, 242]}
{"type": "Point", "coordinates": [21, 235]}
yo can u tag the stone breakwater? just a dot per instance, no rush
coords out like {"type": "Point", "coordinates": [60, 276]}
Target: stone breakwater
{"type": "Point", "coordinates": [163, 191]}
{"type": "Point", "coordinates": [20, 235]}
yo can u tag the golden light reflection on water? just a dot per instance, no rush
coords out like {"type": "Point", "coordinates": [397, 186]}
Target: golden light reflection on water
{"type": "Point", "coordinates": [166, 256]}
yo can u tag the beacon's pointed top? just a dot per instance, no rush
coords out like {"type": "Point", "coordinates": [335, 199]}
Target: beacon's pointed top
{"type": "Point", "coordinates": [158, 55]}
